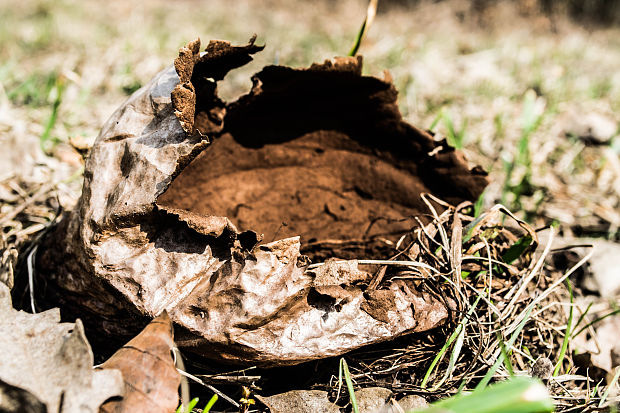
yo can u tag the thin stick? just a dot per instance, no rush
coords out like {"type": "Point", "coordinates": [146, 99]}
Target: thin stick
{"type": "Point", "coordinates": [208, 386]}
{"type": "Point", "coordinates": [178, 361]}
{"type": "Point", "coordinates": [30, 266]}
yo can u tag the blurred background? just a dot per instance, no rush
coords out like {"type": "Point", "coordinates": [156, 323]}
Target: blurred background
{"type": "Point", "coordinates": [529, 89]}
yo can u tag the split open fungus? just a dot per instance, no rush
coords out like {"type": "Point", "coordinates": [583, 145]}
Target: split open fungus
{"type": "Point", "coordinates": [227, 214]}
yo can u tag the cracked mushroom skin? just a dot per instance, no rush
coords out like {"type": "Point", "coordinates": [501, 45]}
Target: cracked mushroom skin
{"type": "Point", "coordinates": [180, 188]}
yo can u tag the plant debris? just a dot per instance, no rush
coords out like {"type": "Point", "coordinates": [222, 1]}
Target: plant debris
{"type": "Point", "coordinates": [51, 362]}
{"type": "Point", "coordinates": [151, 379]}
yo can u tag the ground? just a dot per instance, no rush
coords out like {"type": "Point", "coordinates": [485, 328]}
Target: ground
{"type": "Point", "coordinates": [516, 89]}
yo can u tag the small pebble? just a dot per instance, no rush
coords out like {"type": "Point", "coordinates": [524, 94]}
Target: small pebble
{"type": "Point", "coordinates": [542, 368]}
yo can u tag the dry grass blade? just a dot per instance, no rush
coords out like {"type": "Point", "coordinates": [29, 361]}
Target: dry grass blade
{"type": "Point", "coordinates": [209, 387]}
{"type": "Point", "coordinates": [29, 210]}
{"type": "Point", "coordinates": [42, 192]}
{"type": "Point", "coordinates": [524, 283]}
{"type": "Point", "coordinates": [456, 248]}
{"type": "Point", "coordinates": [180, 365]}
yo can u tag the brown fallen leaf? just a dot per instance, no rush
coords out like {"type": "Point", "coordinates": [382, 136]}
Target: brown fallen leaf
{"type": "Point", "coordinates": [151, 379]}
{"type": "Point", "coordinates": [47, 365]}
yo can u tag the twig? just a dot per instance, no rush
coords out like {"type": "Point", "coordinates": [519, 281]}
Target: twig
{"type": "Point", "coordinates": [208, 386]}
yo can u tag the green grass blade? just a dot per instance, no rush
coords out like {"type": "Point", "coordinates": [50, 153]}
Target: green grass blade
{"type": "Point", "coordinates": [581, 318]}
{"type": "Point", "coordinates": [614, 312]}
{"type": "Point", "coordinates": [454, 356]}
{"type": "Point", "coordinates": [46, 136]}
{"type": "Point", "coordinates": [440, 355]}
{"type": "Point", "coordinates": [595, 390]}
{"type": "Point", "coordinates": [479, 204]}
{"type": "Point", "coordinates": [455, 137]}
{"type": "Point", "coordinates": [609, 386]}
{"type": "Point", "coordinates": [358, 40]}
{"type": "Point", "coordinates": [567, 333]}
{"type": "Point", "coordinates": [347, 378]}
{"type": "Point", "coordinates": [370, 16]}
{"type": "Point", "coordinates": [436, 120]}
{"type": "Point", "coordinates": [447, 120]}
{"type": "Point", "coordinates": [517, 249]}
{"type": "Point", "coordinates": [190, 406]}
{"type": "Point", "coordinates": [210, 404]}
{"type": "Point", "coordinates": [505, 355]}
{"type": "Point", "coordinates": [500, 359]}
{"type": "Point", "coordinates": [515, 395]}
{"type": "Point", "coordinates": [448, 343]}
{"type": "Point", "coordinates": [531, 119]}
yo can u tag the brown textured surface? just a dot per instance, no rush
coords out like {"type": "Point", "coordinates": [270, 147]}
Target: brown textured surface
{"type": "Point", "coordinates": [321, 153]}
{"type": "Point", "coordinates": [308, 187]}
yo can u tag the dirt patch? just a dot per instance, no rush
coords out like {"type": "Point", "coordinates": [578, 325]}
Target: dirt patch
{"type": "Point", "coordinates": [317, 186]}
{"type": "Point", "coordinates": [322, 153]}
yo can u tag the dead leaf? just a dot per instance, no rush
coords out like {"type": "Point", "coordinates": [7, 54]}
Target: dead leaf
{"type": "Point", "coordinates": [308, 154]}
{"type": "Point", "coordinates": [51, 360]}
{"type": "Point", "coordinates": [151, 379]}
